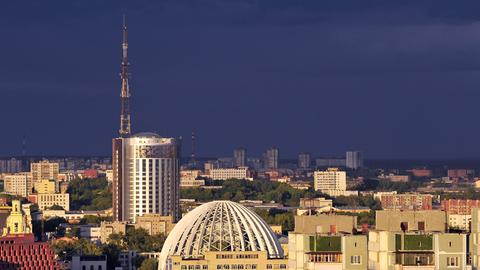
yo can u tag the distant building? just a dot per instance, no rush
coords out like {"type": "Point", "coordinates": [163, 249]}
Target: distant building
{"type": "Point", "coordinates": [460, 222]}
{"type": "Point", "coordinates": [10, 165]}
{"type": "Point", "coordinates": [459, 207]}
{"type": "Point", "coordinates": [19, 184]}
{"type": "Point", "coordinates": [44, 170]}
{"type": "Point", "coordinates": [230, 173]}
{"type": "Point", "coordinates": [460, 173]}
{"type": "Point", "coordinates": [90, 174]}
{"type": "Point", "coordinates": [395, 178]}
{"type": "Point", "coordinates": [354, 160]}
{"type": "Point", "coordinates": [330, 162]}
{"type": "Point", "coordinates": [270, 159]}
{"type": "Point", "coordinates": [304, 160]}
{"type": "Point", "coordinates": [189, 178]}
{"type": "Point", "coordinates": [410, 201]}
{"type": "Point", "coordinates": [239, 157]}
{"type": "Point", "coordinates": [332, 178]}
{"type": "Point", "coordinates": [421, 172]}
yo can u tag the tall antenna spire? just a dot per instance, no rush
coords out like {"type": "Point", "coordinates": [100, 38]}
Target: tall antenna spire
{"type": "Point", "coordinates": [125, 123]}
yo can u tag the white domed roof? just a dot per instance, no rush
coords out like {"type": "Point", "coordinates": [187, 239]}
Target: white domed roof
{"type": "Point", "coordinates": [220, 226]}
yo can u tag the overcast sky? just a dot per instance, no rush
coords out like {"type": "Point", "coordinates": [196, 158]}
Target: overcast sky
{"type": "Point", "coordinates": [395, 79]}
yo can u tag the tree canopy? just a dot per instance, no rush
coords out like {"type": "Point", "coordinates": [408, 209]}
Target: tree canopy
{"type": "Point", "coordinates": [90, 194]}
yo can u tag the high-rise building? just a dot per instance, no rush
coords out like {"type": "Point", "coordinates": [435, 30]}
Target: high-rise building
{"type": "Point", "coordinates": [239, 157]}
{"type": "Point", "coordinates": [270, 159]}
{"type": "Point", "coordinates": [354, 160]}
{"type": "Point", "coordinates": [44, 170]}
{"type": "Point", "coordinates": [145, 166]}
{"type": "Point", "coordinates": [146, 176]}
{"type": "Point", "coordinates": [304, 160]}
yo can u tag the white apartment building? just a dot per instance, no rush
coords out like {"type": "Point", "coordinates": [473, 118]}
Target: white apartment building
{"type": "Point", "coordinates": [229, 173]}
{"type": "Point", "coordinates": [19, 184]}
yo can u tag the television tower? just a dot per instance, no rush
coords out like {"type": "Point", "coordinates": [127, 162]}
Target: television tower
{"type": "Point", "coordinates": [125, 124]}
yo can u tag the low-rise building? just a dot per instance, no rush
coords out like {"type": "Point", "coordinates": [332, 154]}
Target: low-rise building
{"type": "Point", "coordinates": [155, 223]}
{"type": "Point", "coordinates": [459, 222]}
{"type": "Point", "coordinates": [230, 173]}
{"type": "Point", "coordinates": [90, 262]}
{"type": "Point", "coordinates": [190, 178]}
{"type": "Point", "coordinates": [46, 201]}
{"type": "Point", "coordinates": [107, 228]}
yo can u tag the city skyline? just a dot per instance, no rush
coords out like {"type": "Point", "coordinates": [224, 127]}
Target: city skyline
{"type": "Point", "coordinates": [195, 64]}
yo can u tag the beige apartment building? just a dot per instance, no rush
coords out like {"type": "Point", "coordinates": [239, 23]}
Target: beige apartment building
{"type": "Point", "coordinates": [19, 184]}
{"type": "Point", "coordinates": [46, 201]}
{"type": "Point", "coordinates": [155, 223]}
{"type": "Point", "coordinates": [44, 170]}
{"type": "Point", "coordinates": [46, 186]}
{"type": "Point", "coordinates": [107, 228]}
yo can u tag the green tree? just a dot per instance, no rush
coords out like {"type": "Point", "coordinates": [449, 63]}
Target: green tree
{"type": "Point", "coordinates": [90, 194]}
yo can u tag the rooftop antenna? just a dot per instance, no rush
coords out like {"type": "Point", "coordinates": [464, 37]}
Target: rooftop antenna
{"type": "Point", "coordinates": [125, 123]}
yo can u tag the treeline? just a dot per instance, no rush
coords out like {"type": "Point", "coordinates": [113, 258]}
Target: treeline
{"type": "Point", "coordinates": [237, 190]}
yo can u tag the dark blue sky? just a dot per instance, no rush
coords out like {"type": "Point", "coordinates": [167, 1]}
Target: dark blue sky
{"type": "Point", "coordinates": [394, 80]}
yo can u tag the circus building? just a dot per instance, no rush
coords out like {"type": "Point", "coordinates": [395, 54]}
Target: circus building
{"type": "Point", "coordinates": [222, 235]}
{"type": "Point", "coordinates": [18, 249]}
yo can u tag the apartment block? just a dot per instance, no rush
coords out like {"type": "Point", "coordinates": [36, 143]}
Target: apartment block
{"type": "Point", "coordinates": [19, 184]}
{"type": "Point", "coordinates": [327, 251]}
{"type": "Point", "coordinates": [44, 170]}
{"type": "Point", "coordinates": [413, 201]}
{"type": "Point", "coordinates": [229, 173]}
{"type": "Point", "coordinates": [412, 250]}
{"type": "Point", "coordinates": [46, 201]}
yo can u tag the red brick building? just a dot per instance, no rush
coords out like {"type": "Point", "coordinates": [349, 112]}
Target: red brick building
{"type": "Point", "coordinates": [459, 207]}
{"type": "Point", "coordinates": [90, 173]}
{"type": "Point", "coordinates": [407, 201]}
{"type": "Point", "coordinates": [23, 253]}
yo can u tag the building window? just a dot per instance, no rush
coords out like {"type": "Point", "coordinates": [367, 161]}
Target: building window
{"type": "Point", "coordinates": [452, 261]}
{"type": "Point", "coordinates": [356, 259]}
